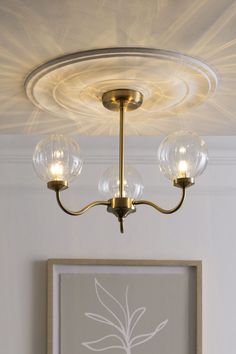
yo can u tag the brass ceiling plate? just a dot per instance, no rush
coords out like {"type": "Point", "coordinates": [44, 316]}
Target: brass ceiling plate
{"type": "Point", "coordinates": [130, 99]}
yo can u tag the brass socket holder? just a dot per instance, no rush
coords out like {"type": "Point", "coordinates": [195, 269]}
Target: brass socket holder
{"type": "Point", "coordinates": [121, 207]}
{"type": "Point", "coordinates": [57, 185]}
{"type": "Point", "coordinates": [183, 182]}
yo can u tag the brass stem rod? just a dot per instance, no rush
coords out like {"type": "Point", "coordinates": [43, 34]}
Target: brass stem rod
{"type": "Point", "coordinates": [121, 150]}
{"type": "Point", "coordinates": [158, 208]}
{"type": "Point", "coordinates": [81, 211]}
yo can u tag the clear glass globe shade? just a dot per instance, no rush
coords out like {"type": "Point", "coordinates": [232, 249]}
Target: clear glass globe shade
{"type": "Point", "coordinates": [57, 158]}
{"type": "Point", "coordinates": [182, 154]}
{"type": "Point", "coordinates": [109, 183]}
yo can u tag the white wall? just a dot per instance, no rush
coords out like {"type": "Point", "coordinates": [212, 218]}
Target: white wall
{"type": "Point", "coordinates": [33, 229]}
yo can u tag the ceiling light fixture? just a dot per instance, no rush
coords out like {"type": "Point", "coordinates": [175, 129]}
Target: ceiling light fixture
{"type": "Point", "coordinates": [182, 156]}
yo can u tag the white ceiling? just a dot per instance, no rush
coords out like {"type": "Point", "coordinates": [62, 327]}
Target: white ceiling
{"type": "Point", "coordinates": [33, 32]}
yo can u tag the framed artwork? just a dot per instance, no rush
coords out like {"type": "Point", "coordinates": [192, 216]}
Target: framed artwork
{"type": "Point", "coordinates": [124, 306]}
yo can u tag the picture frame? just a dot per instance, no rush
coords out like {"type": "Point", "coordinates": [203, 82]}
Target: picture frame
{"type": "Point", "coordinates": [124, 306]}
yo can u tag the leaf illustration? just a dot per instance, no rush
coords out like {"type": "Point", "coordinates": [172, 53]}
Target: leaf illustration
{"type": "Point", "coordinates": [109, 301]}
{"type": "Point", "coordinates": [102, 319]}
{"type": "Point", "coordinates": [108, 342]}
{"type": "Point", "coordinates": [123, 340]}
{"type": "Point", "coordinates": [142, 338]}
{"type": "Point", "coordinates": [98, 318]}
{"type": "Point", "coordinates": [136, 315]}
{"type": "Point", "coordinates": [127, 306]}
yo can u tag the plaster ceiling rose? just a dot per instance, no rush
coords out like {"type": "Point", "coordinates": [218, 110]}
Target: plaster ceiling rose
{"type": "Point", "coordinates": [72, 86]}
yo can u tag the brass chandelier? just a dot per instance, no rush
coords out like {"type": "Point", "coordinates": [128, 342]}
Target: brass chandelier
{"type": "Point", "coordinates": [182, 157]}
{"type": "Point", "coordinates": [78, 86]}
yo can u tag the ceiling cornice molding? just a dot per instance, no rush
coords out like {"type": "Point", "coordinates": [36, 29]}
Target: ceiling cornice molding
{"type": "Point", "coordinates": [221, 158]}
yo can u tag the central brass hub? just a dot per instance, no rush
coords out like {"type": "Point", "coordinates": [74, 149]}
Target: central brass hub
{"type": "Point", "coordinates": [121, 207]}
{"type": "Point", "coordinates": [131, 99]}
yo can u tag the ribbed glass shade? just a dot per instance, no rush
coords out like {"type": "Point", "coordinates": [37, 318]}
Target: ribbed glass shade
{"type": "Point", "coordinates": [57, 158]}
{"type": "Point", "coordinates": [182, 154]}
{"type": "Point", "coordinates": [109, 183]}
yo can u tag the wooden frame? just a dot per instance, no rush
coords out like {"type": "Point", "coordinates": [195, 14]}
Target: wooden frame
{"type": "Point", "coordinates": [56, 268]}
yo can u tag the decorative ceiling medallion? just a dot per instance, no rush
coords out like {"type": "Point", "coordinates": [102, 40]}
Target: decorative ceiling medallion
{"type": "Point", "coordinates": [72, 86]}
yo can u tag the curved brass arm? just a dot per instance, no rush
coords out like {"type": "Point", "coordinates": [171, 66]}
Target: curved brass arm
{"type": "Point", "coordinates": [81, 211]}
{"type": "Point", "coordinates": [157, 207]}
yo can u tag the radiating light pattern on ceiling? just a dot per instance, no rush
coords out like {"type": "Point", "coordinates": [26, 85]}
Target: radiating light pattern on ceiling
{"type": "Point", "coordinates": [32, 33]}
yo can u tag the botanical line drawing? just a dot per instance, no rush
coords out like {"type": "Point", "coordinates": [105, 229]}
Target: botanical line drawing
{"type": "Point", "coordinates": [123, 322]}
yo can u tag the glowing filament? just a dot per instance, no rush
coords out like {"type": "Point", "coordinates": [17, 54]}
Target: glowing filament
{"type": "Point", "coordinates": [182, 168]}
{"type": "Point", "coordinates": [57, 171]}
